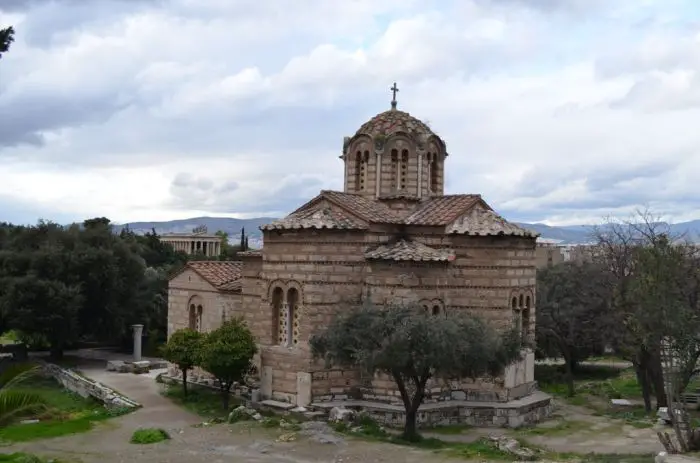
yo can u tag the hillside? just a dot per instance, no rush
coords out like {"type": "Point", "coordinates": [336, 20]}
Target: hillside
{"type": "Point", "coordinates": [572, 234]}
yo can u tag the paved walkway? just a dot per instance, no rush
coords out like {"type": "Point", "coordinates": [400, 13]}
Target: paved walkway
{"type": "Point", "coordinates": [109, 443]}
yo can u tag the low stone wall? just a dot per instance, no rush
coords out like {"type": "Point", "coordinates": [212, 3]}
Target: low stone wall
{"type": "Point", "coordinates": [514, 414]}
{"type": "Point", "coordinates": [85, 387]}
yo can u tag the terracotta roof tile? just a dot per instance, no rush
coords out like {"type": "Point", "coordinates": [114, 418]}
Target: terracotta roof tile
{"type": "Point", "coordinates": [409, 251]}
{"type": "Point", "coordinates": [367, 209]}
{"type": "Point", "coordinates": [221, 274]}
{"type": "Point", "coordinates": [315, 218]}
{"type": "Point", "coordinates": [485, 222]}
{"type": "Point", "coordinates": [442, 210]}
{"type": "Point", "coordinates": [392, 121]}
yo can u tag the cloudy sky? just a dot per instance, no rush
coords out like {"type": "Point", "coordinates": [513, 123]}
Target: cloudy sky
{"type": "Point", "coordinates": [561, 111]}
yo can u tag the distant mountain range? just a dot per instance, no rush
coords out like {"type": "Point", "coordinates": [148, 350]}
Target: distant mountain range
{"type": "Point", "coordinates": [573, 234]}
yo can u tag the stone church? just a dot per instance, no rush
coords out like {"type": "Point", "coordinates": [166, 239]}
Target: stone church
{"type": "Point", "coordinates": [392, 235]}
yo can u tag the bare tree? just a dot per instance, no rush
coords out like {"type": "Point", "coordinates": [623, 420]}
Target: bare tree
{"type": "Point", "coordinates": [639, 333]}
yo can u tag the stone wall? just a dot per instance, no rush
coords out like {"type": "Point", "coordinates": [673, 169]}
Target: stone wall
{"type": "Point", "coordinates": [463, 413]}
{"type": "Point", "coordinates": [329, 268]}
{"type": "Point", "coordinates": [189, 287]}
{"type": "Point", "coordinates": [86, 387]}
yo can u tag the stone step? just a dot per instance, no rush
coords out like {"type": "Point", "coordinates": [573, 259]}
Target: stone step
{"type": "Point", "coordinates": [277, 404]}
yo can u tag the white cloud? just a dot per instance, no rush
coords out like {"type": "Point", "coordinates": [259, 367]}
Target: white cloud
{"type": "Point", "coordinates": [152, 110]}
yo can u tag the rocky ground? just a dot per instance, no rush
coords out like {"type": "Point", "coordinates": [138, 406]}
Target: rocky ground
{"type": "Point", "coordinates": [575, 429]}
{"type": "Point", "coordinates": [190, 443]}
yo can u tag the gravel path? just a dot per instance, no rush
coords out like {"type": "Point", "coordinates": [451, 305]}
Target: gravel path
{"type": "Point", "coordinates": [109, 443]}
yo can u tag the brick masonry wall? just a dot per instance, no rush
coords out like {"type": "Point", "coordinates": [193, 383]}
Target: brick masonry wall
{"type": "Point", "coordinates": [329, 269]}
{"type": "Point", "coordinates": [188, 287]}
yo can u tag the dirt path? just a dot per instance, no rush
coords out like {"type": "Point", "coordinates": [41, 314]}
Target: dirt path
{"type": "Point", "coordinates": [575, 429]}
{"type": "Point", "coordinates": [109, 443]}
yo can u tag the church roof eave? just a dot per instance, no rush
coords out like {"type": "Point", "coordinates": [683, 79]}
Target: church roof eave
{"type": "Point", "coordinates": [318, 219]}
{"type": "Point", "coordinates": [486, 222]}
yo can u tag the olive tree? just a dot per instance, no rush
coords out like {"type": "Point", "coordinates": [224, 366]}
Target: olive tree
{"type": "Point", "coordinates": [412, 347]}
{"type": "Point", "coordinates": [183, 349]}
{"type": "Point", "coordinates": [227, 353]}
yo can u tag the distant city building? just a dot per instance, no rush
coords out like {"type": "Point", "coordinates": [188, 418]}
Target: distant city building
{"type": "Point", "coordinates": [551, 252]}
{"type": "Point", "coordinates": [197, 242]}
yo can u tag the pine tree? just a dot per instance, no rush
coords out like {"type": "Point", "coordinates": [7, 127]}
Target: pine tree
{"type": "Point", "coordinates": [243, 247]}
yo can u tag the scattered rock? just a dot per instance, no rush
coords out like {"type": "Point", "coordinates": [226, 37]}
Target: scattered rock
{"type": "Point", "coordinates": [28, 421]}
{"type": "Point", "coordinates": [320, 432]}
{"type": "Point", "coordinates": [661, 457]}
{"type": "Point", "coordinates": [341, 414]}
{"type": "Point", "coordinates": [621, 402]}
{"type": "Point", "coordinates": [512, 446]}
{"type": "Point", "coordinates": [298, 410]}
{"type": "Point", "coordinates": [287, 437]}
{"type": "Point", "coordinates": [115, 365]}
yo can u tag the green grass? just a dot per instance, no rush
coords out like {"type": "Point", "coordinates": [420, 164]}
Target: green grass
{"type": "Point", "coordinates": [448, 430]}
{"type": "Point", "coordinates": [64, 413]}
{"type": "Point", "coordinates": [205, 403]}
{"type": "Point", "coordinates": [149, 436]}
{"type": "Point", "coordinates": [21, 457]}
{"type": "Point", "coordinates": [598, 380]}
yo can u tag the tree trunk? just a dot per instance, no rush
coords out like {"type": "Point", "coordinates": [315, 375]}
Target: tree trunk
{"type": "Point", "coordinates": [409, 430]}
{"type": "Point", "coordinates": [569, 376]}
{"type": "Point", "coordinates": [225, 397]}
{"type": "Point", "coordinates": [657, 377]}
{"type": "Point", "coordinates": [184, 382]}
{"type": "Point", "coordinates": [643, 381]}
{"type": "Point", "coordinates": [56, 352]}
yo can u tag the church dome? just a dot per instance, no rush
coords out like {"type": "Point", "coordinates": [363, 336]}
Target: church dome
{"type": "Point", "coordinates": [393, 121]}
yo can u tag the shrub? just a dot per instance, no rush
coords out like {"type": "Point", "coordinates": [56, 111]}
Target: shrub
{"type": "Point", "coordinates": [149, 436]}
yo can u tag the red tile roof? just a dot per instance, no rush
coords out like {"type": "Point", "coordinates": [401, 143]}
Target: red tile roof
{"type": "Point", "coordinates": [316, 218]}
{"type": "Point", "coordinates": [485, 222]}
{"type": "Point", "coordinates": [222, 274]}
{"type": "Point", "coordinates": [409, 251]}
{"type": "Point", "coordinates": [353, 211]}
{"type": "Point", "coordinates": [392, 121]}
{"type": "Point", "coordinates": [442, 210]}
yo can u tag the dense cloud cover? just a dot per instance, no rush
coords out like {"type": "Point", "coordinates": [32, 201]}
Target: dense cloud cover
{"type": "Point", "coordinates": [562, 111]}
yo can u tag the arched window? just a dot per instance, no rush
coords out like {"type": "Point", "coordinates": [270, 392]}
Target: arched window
{"type": "Point", "coordinates": [526, 318]}
{"type": "Point", "coordinates": [193, 317]}
{"type": "Point", "coordinates": [432, 307]}
{"type": "Point", "coordinates": [358, 170]}
{"type": "Point", "coordinates": [520, 306]}
{"type": "Point", "coordinates": [434, 172]}
{"type": "Point", "coordinates": [293, 314]}
{"type": "Point", "coordinates": [517, 320]}
{"type": "Point", "coordinates": [363, 170]}
{"type": "Point", "coordinates": [395, 169]}
{"type": "Point", "coordinates": [278, 316]}
{"type": "Point", "coordinates": [195, 312]}
{"type": "Point", "coordinates": [404, 169]}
